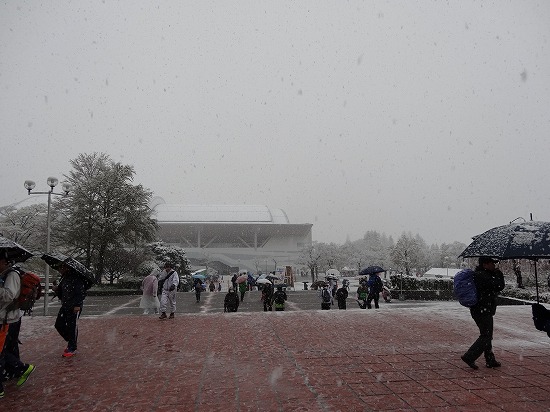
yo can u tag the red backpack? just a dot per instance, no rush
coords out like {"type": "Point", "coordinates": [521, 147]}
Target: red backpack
{"type": "Point", "coordinates": [31, 290]}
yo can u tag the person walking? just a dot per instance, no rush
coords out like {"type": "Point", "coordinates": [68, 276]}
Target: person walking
{"type": "Point", "coordinates": [243, 288]}
{"type": "Point", "coordinates": [362, 293]}
{"type": "Point", "coordinates": [341, 297]}
{"type": "Point", "coordinates": [10, 323]}
{"type": "Point", "coordinates": [211, 286]}
{"type": "Point", "coordinates": [149, 300]}
{"type": "Point", "coordinates": [168, 299]}
{"type": "Point", "coordinates": [267, 296]}
{"type": "Point", "coordinates": [326, 298]}
{"type": "Point", "coordinates": [231, 301]}
{"type": "Point", "coordinates": [198, 289]}
{"type": "Point", "coordinates": [279, 298]}
{"type": "Point", "coordinates": [71, 291]}
{"type": "Point", "coordinates": [489, 281]}
{"type": "Point", "coordinates": [375, 286]}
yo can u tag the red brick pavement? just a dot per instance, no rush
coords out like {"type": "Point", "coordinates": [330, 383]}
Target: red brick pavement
{"type": "Point", "coordinates": [354, 360]}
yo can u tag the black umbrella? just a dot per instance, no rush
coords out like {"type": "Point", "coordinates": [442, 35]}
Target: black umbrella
{"type": "Point", "coordinates": [14, 251]}
{"type": "Point", "coordinates": [55, 260]}
{"type": "Point", "coordinates": [371, 270]}
{"type": "Point", "coordinates": [524, 240]}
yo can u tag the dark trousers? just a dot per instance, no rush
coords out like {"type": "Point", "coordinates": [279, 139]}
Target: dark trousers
{"type": "Point", "coordinates": [341, 303]}
{"type": "Point", "coordinates": [370, 297]}
{"type": "Point", "coordinates": [483, 344]}
{"type": "Point", "coordinates": [13, 367]}
{"type": "Point", "coordinates": [66, 325]}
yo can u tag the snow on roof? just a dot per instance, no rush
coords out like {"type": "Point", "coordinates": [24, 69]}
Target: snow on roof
{"type": "Point", "coordinates": [442, 272]}
{"type": "Point", "coordinates": [218, 213]}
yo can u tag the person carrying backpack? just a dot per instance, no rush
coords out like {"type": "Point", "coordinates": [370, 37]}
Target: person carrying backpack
{"type": "Point", "coordinates": [10, 323]}
{"type": "Point", "coordinates": [279, 298]}
{"type": "Point", "coordinates": [326, 298]}
{"type": "Point", "coordinates": [489, 281]}
{"type": "Point", "coordinates": [341, 296]}
{"type": "Point", "coordinates": [375, 287]}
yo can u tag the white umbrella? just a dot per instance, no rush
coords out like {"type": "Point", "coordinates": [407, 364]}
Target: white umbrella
{"type": "Point", "coordinates": [262, 281]}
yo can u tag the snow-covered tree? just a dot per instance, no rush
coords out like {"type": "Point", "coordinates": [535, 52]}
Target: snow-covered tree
{"type": "Point", "coordinates": [104, 211]}
{"type": "Point", "coordinates": [26, 226]}
{"type": "Point", "coordinates": [407, 253]}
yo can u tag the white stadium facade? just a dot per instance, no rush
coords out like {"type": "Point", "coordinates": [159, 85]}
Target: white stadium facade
{"type": "Point", "coordinates": [232, 237]}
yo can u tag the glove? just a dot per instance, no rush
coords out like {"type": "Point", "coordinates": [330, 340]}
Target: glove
{"type": "Point", "coordinates": [172, 288]}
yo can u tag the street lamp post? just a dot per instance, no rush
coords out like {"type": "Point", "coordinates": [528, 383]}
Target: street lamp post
{"type": "Point", "coordinates": [66, 187]}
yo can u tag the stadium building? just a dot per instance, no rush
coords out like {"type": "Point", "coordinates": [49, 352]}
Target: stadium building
{"type": "Point", "coordinates": [233, 237]}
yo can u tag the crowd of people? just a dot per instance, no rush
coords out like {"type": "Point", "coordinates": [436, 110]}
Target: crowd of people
{"type": "Point", "coordinates": [165, 283]}
{"type": "Point", "coordinates": [71, 291]}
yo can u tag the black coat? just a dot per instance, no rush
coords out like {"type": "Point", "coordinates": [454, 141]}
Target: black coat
{"type": "Point", "coordinates": [231, 302]}
{"type": "Point", "coordinates": [488, 285]}
{"type": "Point", "coordinates": [71, 291]}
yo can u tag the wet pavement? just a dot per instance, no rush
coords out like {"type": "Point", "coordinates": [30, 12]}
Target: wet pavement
{"type": "Point", "coordinates": [404, 356]}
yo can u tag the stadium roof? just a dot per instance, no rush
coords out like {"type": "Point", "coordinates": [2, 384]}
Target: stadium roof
{"type": "Point", "coordinates": [249, 214]}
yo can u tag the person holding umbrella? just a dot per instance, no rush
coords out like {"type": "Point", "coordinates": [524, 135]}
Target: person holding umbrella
{"type": "Point", "coordinates": [375, 286]}
{"type": "Point", "coordinates": [267, 295]}
{"type": "Point", "coordinates": [71, 291]}
{"type": "Point", "coordinates": [489, 281]}
{"type": "Point", "coordinates": [10, 285]}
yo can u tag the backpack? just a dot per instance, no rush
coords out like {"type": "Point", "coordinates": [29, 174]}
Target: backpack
{"type": "Point", "coordinates": [279, 298]}
{"type": "Point", "coordinates": [326, 296]}
{"type": "Point", "coordinates": [341, 294]}
{"type": "Point", "coordinates": [31, 290]}
{"type": "Point", "coordinates": [464, 288]}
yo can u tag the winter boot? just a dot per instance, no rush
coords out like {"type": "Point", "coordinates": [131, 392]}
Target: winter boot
{"type": "Point", "coordinates": [491, 362]}
{"type": "Point", "coordinates": [469, 362]}
{"type": "Point", "coordinates": [162, 316]}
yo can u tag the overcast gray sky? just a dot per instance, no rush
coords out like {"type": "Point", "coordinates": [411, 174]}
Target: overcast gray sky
{"type": "Point", "coordinates": [429, 117]}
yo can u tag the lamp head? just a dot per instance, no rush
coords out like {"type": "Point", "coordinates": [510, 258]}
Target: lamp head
{"type": "Point", "coordinates": [29, 185]}
{"type": "Point", "coordinates": [66, 186]}
{"type": "Point", "coordinates": [52, 182]}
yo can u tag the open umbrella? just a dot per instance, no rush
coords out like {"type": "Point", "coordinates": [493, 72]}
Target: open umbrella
{"type": "Point", "coordinates": [198, 276]}
{"type": "Point", "coordinates": [14, 251]}
{"type": "Point", "coordinates": [55, 260]}
{"type": "Point", "coordinates": [371, 270]}
{"type": "Point", "coordinates": [263, 281]}
{"type": "Point", "coordinates": [242, 278]}
{"type": "Point", "coordinates": [521, 240]}
{"type": "Point", "coordinates": [333, 272]}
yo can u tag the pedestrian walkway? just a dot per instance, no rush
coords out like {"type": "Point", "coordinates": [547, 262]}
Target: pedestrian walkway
{"type": "Point", "coordinates": [356, 360]}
